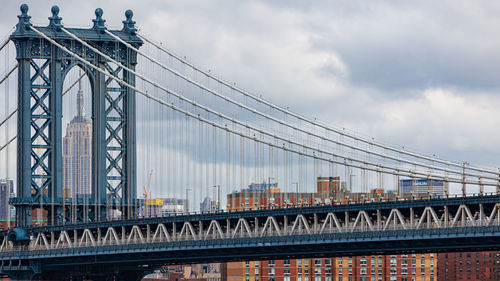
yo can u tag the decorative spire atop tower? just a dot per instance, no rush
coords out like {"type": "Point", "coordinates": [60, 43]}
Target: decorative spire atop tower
{"type": "Point", "coordinates": [99, 21]}
{"type": "Point", "coordinates": [55, 19]}
{"type": "Point", "coordinates": [128, 23]}
{"type": "Point", "coordinates": [24, 19]}
{"type": "Point", "coordinates": [80, 110]}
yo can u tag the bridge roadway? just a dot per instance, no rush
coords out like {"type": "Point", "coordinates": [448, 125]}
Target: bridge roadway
{"type": "Point", "coordinates": [140, 245]}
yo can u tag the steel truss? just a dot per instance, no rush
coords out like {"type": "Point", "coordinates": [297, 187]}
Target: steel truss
{"type": "Point", "coordinates": [376, 217]}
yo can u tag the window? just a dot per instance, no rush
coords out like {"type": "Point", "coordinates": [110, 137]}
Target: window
{"type": "Point", "coordinates": [350, 261]}
{"type": "Point", "coordinates": [362, 270]}
{"type": "Point", "coordinates": [373, 262]}
{"type": "Point", "coordinates": [271, 279]}
{"type": "Point", "coordinates": [317, 271]}
{"type": "Point", "coordinates": [404, 262]}
{"type": "Point", "coordinates": [340, 270]}
{"type": "Point", "coordinates": [271, 271]}
{"type": "Point", "coordinates": [247, 263]}
{"type": "Point", "coordinates": [363, 278]}
{"type": "Point", "coordinates": [393, 271]}
{"type": "Point", "coordinates": [422, 271]}
{"type": "Point", "coordinates": [328, 262]}
{"type": "Point", "coordinates": [373, 271]}
{"type": "Point", "coordinates": [404, 271]}
{"type": "Point", "coordinates": [328, 278]}
{"type": "Point", "coordinates": [340, 262]}
{"type": "Point", "coordinates": [286, 271]}
{"type": "Point", "coordinates": [271, 262]}
{"type": "Point", "coordinates": [362, 262]}
{"type": "Point", "coordinates": [299, 263]}
{"type": "Point", "coordinates": [394, 262]}
{"type": "Point", "coordinates": [379, 262]}
{"type": "Point", "coordinates": [256, 263]}
{"type": "Point", "coordinates": [247, 271]}
{"type": "Point", "coordinates": [306, 262]}
{"type": "Point", "coordinates": [393, 278]}
{"type": "Point", "coordinates": [287, 262]}
{"type": "Point", "coordinates": [256, 271]}
{"type": "Point", "coordinates": [328, 271]}
{"type": "Point", "coordinates": [286, 278]}
{"type": "Point", "coordinates": [256, 278]}
{"type": "Point", "coordinates": [350, 271]}
{"type": "Point", "coordinates": [432, 270]}
{"type": "Point", "coordinates": [317, 278]}
{"type": "Point", "coordinates": [317, 262]}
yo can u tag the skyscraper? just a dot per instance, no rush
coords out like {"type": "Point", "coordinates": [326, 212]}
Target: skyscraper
{"type": "Point", "coordinates": [77, 151]}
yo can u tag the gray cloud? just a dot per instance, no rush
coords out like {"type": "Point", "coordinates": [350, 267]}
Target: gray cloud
{"type": "Point", "coordinates": [423, 75]}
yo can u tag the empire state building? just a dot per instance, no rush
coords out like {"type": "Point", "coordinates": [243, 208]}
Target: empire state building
{"type": "Point", "coordinates": [77, 151]}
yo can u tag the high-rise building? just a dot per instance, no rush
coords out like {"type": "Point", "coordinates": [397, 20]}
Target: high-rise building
{"type": "Point", "coordinates": [77, 152]}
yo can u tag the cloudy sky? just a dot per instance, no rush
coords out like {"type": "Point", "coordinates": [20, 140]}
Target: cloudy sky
{"type": "Point", "coordinates": [423, 75]}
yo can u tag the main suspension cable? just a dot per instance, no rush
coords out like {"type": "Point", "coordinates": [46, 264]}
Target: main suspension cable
{"type": "Point", "coordinates": [281, 122]}
{"type": "Point", "coordinates": [394, 171]}
{"type": "Point", "coordinates": [315, 122]}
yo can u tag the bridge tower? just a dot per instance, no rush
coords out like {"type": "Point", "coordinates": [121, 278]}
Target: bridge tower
{"type": "Point", "coordinates": [42, 70]}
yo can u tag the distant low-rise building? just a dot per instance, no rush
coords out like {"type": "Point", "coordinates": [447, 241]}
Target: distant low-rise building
{"type": "Point", "coordinates": [416, 187]}
{"type": "Point", "coordinates": [157, 207]}
{"type": "Point", "coordinates": [6, 211]}
{"type": "Point", "coordinates": [330, 190]}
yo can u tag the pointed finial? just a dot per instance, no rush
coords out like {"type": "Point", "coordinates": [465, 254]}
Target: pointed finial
{"type": "Point", "coordinates": [128, 23]}
{"type": "Point", "coordinates": [99, 21]}
{"type": "Point", "coordinates": [55, 19]}
{"type": "Point", "coordinates": [79, 98]}
{"type": "Point", "coordinates": [24, 18]}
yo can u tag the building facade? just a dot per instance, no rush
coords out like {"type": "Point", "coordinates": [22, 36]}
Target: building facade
{"type": "Point", "coordinates": [7, 212]}
{"type": "Point", "coordinates": [77, 153]}
{"type": "Point", "coordinates": [416, 187]}
{"type": "Point", "coordinates": [473, 266]}
{"type": "Point", "coordinates": [157, 207]}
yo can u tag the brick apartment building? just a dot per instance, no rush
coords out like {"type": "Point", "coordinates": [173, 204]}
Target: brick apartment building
{"type": "Point", "coordinates": [415, 267]}
{"type": "Point", "coordinates": [473, 266]}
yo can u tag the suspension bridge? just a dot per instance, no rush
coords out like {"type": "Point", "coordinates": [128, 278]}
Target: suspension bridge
{"type": "Point", "coordinates": [152, 112]}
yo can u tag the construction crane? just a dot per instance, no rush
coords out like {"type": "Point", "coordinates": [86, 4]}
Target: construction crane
{"type": "Point", "coordinates": [147, 193]}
